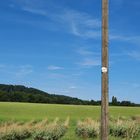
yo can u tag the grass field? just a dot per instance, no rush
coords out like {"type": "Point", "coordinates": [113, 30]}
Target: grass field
{"type": "Point", "coordinates": [27, 112]}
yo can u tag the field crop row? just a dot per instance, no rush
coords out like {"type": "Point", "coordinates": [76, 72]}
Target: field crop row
{"type": "Point", "coordinates": [25, 112]}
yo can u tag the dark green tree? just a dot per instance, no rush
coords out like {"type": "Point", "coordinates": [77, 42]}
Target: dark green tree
{"type": "Point", "coordinates": [114, 100]}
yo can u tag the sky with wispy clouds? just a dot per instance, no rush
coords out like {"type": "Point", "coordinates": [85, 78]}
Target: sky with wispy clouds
{"type": "Point", "coordinates": [55, 45]}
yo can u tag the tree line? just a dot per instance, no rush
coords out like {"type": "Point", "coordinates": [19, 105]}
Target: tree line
{"type": "Point", "coordinates": [19, 93]}
{"type": "Point", "coordinates": [115, 102]}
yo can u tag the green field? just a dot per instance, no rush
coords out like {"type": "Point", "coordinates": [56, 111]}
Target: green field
{"type": "Point", "coordinates": [27, 112]}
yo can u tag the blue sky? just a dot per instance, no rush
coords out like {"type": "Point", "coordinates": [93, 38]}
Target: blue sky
{"type": "Point", "coordinates": [55, 45]}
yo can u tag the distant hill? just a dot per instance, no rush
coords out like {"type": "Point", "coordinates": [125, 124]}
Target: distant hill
{"type": "Point", "coordinates": [19, 93]}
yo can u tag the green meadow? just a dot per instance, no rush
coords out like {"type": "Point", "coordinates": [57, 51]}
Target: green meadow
{"type": "Point", "coordinates": [29, 111]}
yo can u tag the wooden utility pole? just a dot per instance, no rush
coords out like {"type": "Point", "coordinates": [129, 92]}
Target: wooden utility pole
{"type": "Point", "coordinates": [104, 103]}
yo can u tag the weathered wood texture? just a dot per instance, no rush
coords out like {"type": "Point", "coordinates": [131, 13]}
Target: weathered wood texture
{"type": "Point", "coordinates": [104, 105]}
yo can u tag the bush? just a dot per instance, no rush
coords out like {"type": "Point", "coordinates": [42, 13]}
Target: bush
{"type": "Point", "coordinates": [14, 132]}
{"type": "Point", "coordinates": [52, 131]}
{"type": "Point", "coordinates": [136, 118]}
{"type": "Point", "coordinates": [124, 129]}
{"type": "Point", "coordinates": [87, 129]}
{"type": "Point", "coordinates": [37, 131]}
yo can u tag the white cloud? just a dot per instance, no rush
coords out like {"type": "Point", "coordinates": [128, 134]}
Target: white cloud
{"type": "Point", "coordinates": [17, 71]}
{"type": "Point", "coordinates": [125, 38]}
{"type": "Point", "coordinates": [82, 24]}
{"type": "Point", "coordinates": [77, 23]}
{"type": "Point", "coordinates": [134, 54]}
{"type": "Point", "coordinates": [85, 51]}
{"type": "Point", "coordinates": [56, 76]}
{"type": "Point", "coordinates": [78, 74]}
{"type": "Point", "coordinates": [89, 58]}
{"type": "Point", "coordinates": [72, 87]}
{"type": "Point", "coordinates": [131, 84]}
{"type": "Point", "coordinates": [72, 21]}
{"type": "Point", "coordinates": [136, 85]}
{"type": "Point", "coordinates": [24, 71]}
{"type": "Point", "coordinates": [87, 62]}
{"type": "Point", "coordinates": [52, 67]}
{"type": "Point", "coordinates": [117, 3]}
{"type": "Point", "coordinates": [2, 66]}
{"type": "Point", "coordinates": [35, 11]}
{"type": "Point", "coordinates": [11, 5]}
